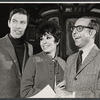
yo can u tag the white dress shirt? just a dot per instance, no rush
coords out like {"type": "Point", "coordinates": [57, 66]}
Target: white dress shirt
{"type": "Point", "coordinates": [86, 52]}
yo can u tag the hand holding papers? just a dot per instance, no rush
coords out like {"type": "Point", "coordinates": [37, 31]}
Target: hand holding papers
{"type": "Point", "coordinates": [46, 92]}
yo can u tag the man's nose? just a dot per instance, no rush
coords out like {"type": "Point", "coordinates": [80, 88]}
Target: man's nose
{"type": "Point", "coordinates": [18, 25]}
{"type": "Point", "coordinates": [75, 32]}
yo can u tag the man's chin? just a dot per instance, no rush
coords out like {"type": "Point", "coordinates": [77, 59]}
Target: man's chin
{"type": "Point", "coordinates": [17, 37]}
{"type": "Point", "coordinates": [77, 44]}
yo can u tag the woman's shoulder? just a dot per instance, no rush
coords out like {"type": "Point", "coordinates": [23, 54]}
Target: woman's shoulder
{"type": "Point", "coordinates": [38, 57]}
{"type": "Point", "coordinates": [40, 54]}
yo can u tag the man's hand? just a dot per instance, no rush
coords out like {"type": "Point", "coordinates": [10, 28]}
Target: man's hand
{"type": "Point", "coordinates": [61, 91]}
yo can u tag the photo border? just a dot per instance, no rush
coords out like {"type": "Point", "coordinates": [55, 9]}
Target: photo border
{"type": "Point", "coordinates": [50, 1]}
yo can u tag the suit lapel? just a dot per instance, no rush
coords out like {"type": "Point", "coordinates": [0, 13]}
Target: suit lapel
{"type": "Point", "coordinates": [25, 56]}
{"type": "Point", "coordinates": [73, 63]}
{"type": "Point", "coordinates": [9, 47]}
{"type": "Point", "coordinates": [90, 57]}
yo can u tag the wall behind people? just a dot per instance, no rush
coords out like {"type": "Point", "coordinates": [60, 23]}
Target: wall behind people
{"type": "Point", "coordinates": [62, 18]}
{"type": "Point", "coordinates": [31, 38]}
{"type": "Point", "coordinates": [30, 31]}
{"type": "Point", "coordinates": [3, 26]}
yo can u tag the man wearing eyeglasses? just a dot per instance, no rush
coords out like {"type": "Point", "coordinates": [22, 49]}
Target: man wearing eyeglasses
{"type": "Point", "coordinates": [82, 82]}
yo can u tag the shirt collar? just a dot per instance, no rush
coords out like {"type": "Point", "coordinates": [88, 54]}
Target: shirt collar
{"type": "Point", "coordinates": [88, 48]}
{"type": "Point", "coordinates": [86, 52]}
{"type": "Point", "coordinates": [55, 58]}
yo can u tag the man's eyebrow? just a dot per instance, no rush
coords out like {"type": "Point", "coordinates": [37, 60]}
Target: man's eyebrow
{"type": "Point", "coordinates": [14, 19]}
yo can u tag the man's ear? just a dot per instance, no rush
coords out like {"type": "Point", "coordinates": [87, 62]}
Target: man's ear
{"type": "Point", "coordinates": [9, 23]}
{"type": "Point", "coordinates": [92, 33]}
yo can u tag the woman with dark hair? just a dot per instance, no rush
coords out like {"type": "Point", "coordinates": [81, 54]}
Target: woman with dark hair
{"type": "Point", "coordinates": [45, 67]}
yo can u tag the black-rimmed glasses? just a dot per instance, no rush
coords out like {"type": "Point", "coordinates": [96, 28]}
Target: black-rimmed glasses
{"type": "Point", "coordinates": [80, 28]}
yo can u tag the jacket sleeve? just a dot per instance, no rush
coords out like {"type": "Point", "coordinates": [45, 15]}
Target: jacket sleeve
{"type": "Point", "coordinates": [97, 83]}
{"type": "Point", "coordinates": [30, 48]}
{"type": "Point", "coordinates": [97, 92]}
{"type": "Point", "coordinates": [28, 79]}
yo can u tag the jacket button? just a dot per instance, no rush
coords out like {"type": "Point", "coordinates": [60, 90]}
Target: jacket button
{"type": "Point", "coordinates": [58, 81]}
{"type": "Point", "coordinates": [50, 70]}
{"type": "Point", "coordinates": [57, 72]}
{"type": "Point", "coordinates": [75, 78]}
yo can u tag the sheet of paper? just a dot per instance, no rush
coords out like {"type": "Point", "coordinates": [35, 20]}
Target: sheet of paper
{"type": "Point", "coordinates": [73, 95]}
{"type": "Point", "coordinates": [46, 92]}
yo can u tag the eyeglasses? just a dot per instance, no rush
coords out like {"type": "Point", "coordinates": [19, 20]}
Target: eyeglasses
{"type": "Point", "coordinates": [80, 28]}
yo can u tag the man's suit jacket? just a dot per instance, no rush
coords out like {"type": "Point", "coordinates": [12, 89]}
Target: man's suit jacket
{"type": "Point", "coordinates": [86, 82]}
{"type": "Point", "coordinates": [10, 74]}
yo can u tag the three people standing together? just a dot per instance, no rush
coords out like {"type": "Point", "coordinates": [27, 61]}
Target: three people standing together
{"type": "Point", "coordinates": [23, 74]}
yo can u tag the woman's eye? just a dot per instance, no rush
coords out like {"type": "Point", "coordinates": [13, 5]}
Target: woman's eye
{"type": "Point", "coordinates": [48, 37]}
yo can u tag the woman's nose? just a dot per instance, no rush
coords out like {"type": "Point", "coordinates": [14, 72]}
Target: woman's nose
{"type": "Point", "coordinates": [45, 41]}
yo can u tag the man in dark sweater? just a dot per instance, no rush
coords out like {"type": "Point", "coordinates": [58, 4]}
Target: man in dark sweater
{"type": "Point", "coordinates": [14, 52]}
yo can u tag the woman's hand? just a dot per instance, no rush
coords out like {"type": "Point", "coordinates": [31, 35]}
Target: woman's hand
{"type": "Point", "coordinates": [61, 91]}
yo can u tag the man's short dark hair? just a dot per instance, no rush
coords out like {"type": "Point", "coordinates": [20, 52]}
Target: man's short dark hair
{"type": "Point", "coordinates": [94, 23]}
{"type": "Point", "coordinates": [20, 11]}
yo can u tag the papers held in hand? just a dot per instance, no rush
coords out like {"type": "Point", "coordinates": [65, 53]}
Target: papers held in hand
{"type": "Point", "coordinates": [46, 92]}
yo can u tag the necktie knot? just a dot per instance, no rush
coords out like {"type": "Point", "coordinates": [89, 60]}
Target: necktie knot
{"type": "Point", "coordinates": [80, 52]}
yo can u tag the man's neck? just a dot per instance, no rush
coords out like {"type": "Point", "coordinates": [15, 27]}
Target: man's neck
{"type": "Point", "coordinates": [88, 45]}
{"type": "Point", "coordinates": [16, 41]}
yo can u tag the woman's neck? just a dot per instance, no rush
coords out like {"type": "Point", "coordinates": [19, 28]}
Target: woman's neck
{"type": "Point", "coordinates": [52, 55]}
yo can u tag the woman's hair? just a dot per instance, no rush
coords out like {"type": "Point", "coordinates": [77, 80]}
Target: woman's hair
{"type": "Point", "coordinates": [49, 27]}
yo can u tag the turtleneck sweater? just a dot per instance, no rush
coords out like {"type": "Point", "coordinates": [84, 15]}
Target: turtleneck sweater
{"type": "Point", "coordinates": [19, 49]}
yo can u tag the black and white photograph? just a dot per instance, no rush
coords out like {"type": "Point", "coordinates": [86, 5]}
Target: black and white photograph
{"type": "Point", "coordinates": [49, 49]}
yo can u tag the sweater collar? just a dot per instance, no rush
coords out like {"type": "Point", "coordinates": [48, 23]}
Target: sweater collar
{"type": "Point", "coordinates": [18, 41]}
